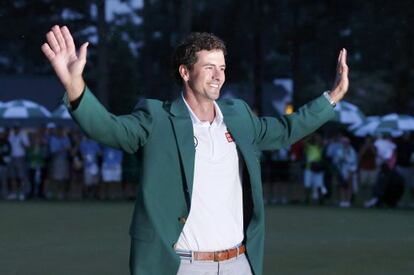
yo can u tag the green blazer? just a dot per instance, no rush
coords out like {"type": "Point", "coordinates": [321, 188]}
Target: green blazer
{"type": "Point", "coordinates": [162, 133]}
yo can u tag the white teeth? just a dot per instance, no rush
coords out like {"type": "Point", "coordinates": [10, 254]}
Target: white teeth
{"type": "Point", "coordinates": [214, 85]}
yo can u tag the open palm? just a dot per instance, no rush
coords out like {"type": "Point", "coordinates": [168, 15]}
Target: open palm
{"type": "Point", "coordinates": [341, 83]}
{"type": "Point", "coordinates": [61, 52]}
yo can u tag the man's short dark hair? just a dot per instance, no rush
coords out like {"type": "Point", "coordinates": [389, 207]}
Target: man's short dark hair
{"type": "Point", "coordinates": [185, 53]}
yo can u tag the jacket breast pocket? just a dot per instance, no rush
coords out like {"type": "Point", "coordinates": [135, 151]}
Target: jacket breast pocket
{"type": "Point", "coordinates": [142, 233]}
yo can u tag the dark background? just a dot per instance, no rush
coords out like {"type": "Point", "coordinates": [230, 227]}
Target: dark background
{"type": "Point", "coordinates": [130, 51]}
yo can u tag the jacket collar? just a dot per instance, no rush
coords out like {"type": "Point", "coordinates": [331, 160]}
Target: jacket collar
{"type": "Point", "coordinates": [178, 108]}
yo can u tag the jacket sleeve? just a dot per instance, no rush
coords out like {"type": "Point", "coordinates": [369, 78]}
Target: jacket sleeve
{"type": "Point", "coordinates": [277, 132]}
{"type": "Point", "coordinates": [126, 132]}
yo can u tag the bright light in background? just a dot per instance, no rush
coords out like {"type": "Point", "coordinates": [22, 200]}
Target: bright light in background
{"type": "Point", "coordinates": [289, 109]}
{"type": "Point", "coordinates": [282, 102]}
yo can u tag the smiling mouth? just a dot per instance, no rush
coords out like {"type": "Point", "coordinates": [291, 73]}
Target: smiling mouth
{"type": "Point", "coordinates": [214, 85]}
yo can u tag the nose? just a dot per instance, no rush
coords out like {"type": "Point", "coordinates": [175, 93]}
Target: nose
{"type": "Point", "coordinates": [218, 73]}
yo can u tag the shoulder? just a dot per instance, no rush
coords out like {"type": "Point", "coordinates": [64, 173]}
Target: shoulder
{"type": "Point", "coordinates": [147, 105]}
{"type": "Point", "coordinates": [150, 103]}
{"type": "Point", "coordinates": [231, 101]}
{"type": "Point", "coordinates": [235, 104]}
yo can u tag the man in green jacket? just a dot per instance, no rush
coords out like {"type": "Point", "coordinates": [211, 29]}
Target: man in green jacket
{"type": "Point", "coordinates": [199, 204]}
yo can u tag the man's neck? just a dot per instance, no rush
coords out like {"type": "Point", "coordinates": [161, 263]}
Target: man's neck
{"type": "Point", "coordinates": [204, 109]}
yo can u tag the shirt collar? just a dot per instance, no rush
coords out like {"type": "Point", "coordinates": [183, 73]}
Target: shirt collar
{"type": "Point", "coordinates": [218, 119]}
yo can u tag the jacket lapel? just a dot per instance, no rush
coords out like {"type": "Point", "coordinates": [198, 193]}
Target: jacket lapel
{"type": "Point", "coordinates": [235, 126]}
{"type": "Point", "coordinates": [183, 130]}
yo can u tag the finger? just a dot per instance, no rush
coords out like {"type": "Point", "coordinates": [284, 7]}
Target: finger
{"type": "Point", "coordinates": [51, 40]}
{"type": "Point", "coordinates": [47, 51]}
{"type": "Point", "coordinates": [345, 70]}
{"type": "Point", "coordinates": [343, 57]}
{"type": "Point", "coordinates": [59, 37]}
{"type": "Point", "coordinates": [340, 56]}
{"type": "Point", "coordinates": [83, 51]}
{"type": "Point", "coordinates": [343, 62]}
{"type": "Point", "coordinates": [338, 64]}
{"type": "Point", "coordinates": [70, 45]}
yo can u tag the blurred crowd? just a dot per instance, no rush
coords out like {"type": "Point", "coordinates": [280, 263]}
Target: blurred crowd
{"type": "Point", "coordinates": [342, 170]}
{"type": "Point", "coordinates": [61, 163]}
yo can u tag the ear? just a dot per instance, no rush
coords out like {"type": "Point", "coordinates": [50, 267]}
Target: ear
{"type": "Point", "coordinates": [184, 72]}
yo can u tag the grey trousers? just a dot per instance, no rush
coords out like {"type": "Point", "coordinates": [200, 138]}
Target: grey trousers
{"type": "Point", "coordinates": [236, 266]}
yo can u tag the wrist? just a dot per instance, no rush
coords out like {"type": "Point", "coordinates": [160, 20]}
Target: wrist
{"type": "Point", "coordinates": [75, 89]}
{"type": "Point", "coordinates": [335, 95]}
{"type": "Point", "coordinates": [328, 96]}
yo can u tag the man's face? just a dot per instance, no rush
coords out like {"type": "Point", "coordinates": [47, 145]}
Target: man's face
{"type": "Point", "coordinates": [207, 76]}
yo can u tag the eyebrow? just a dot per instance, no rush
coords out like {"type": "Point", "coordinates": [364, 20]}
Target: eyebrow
{"type": "Point", "coordinates": [210, 64]}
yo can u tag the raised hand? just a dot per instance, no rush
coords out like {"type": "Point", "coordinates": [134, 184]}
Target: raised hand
{"type": "Point", "coordinates": [68, 65]}
{"type": "Point", "coordinates": [341, 83]}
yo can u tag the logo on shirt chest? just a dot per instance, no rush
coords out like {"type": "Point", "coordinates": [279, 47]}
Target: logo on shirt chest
{"type": "Point", "coordinates": [229, 137]}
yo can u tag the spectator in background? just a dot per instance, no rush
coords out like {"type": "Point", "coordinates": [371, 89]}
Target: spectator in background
{"type": "Point", "coordinates": [76, 174]}
{"type": "Point", "coordinates": [296, 170]}
{"type": "Point", "coordinates": [59, 147]}
{"type": "Point", "coordinates": [332, 173]}
{"type": "Point", "coordinates": [46, 131]}
{"type": "Point", "coordinates": [90, 151]}
{"type": "Point", "coordinates": [389, 185]}
{"type": "Point", "coordinates": [385, 151]}
{"type": "Point", "coordinates": [281, 175]}
{"type": "Point", "coordinates": [267, 175]}
{"type": "Point", "coordinates": [388, 188]}
{"type": "Point", "coordinates": [36, 155]}
{"type": "Point", "coordinates": [368, 171]}
{"type": "Point", "coordinates": [314, 168]}
{"type": "Point", "coordinates": [111, 171]}
{"type": "Point", "coordinates": [296, 151]}
{"type": "Point", "coordinates": [18, 170]}
{"type": "Point", "coordinates": [405, 151]}
{"type": "Point", "coordinates": [5, 151]}
{"type": "Point", "coordinates": [346, 160]}
{"type": "Point", "coordinates": [276, 176]}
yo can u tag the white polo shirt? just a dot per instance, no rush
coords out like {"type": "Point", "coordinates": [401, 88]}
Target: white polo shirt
{"type": "Point", "coordinates": [215, 221]}
{"type": "Point", "coordinates": [18, 143]}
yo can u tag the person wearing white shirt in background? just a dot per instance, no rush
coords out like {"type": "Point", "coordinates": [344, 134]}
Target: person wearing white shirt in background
{"type": "Point", "coordinates": [111, 172]}
{"type": "Point", "coordinates": [347, 161]}
{"type": "Point", "coordinates": [385, 149]}
{"type": "Point", "coordinates": [386, 161]}
{"type": "Point", "coordinates": [19, 142]}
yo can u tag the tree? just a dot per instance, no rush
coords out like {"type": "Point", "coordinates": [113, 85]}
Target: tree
{"type": "Point", "coordinates": [266, 39]}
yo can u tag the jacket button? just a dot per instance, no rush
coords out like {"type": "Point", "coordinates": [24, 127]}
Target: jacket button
{"type": "Point", "coordinates": [182, 220]}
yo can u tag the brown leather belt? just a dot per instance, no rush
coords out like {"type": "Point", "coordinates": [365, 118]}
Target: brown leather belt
{"type": "Point", "coordinates": [219, 256]}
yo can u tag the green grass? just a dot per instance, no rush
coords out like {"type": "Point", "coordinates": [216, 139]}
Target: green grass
{"type": "Point", "coordinates": [64, 238]}
{"type": "Point", "coordinates": [92, 238]}
{"type": "Point", "coordinates": [339, 241]}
